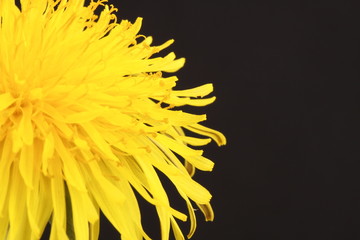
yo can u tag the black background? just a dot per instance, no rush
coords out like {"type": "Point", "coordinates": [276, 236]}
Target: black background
{"type": "Point", "coordinates": [286, 77]}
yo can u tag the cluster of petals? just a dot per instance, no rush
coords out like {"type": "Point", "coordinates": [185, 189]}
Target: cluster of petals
{"type": "Point", "coordinates": [87, 119]}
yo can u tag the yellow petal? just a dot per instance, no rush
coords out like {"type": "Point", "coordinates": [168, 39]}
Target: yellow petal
{"type": "Point", "coordinates": [58, 224]}
{"type": "Point", "coordinates": [199, 91]}
{"type": "Point", "coordinates": [39, 207]}
{"type": "Point", "coordinates": [27, 165]}
{"type": "Point", "coordinates": [207, 211]}
{"type": "Point", "coordinates": [218, 137]}
{"type": "Point", "coordinates": [79, 216]}
{"type": "Point", "coordinates": [190, 155]}
{"type": "Point", "coordinates": [195, 141]}
{"type": "Point", "coordinates": [6, 100]}
{"type": "Point", "coordinates": [94, 230]}
{"type": "Point", "coordinates": [100, 142]}
{"type": "Point", "coordinates": [4, 227]}
{"type": "Point", "coordinates": [6, 158]}
{"type": "Point", "coordinates": [71, 169]}
{"type": "Point", "coordinates": [17, 208]}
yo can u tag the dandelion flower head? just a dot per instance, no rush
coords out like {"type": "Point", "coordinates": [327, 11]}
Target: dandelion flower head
{"type": "Point", "coordinates": [87, 118]}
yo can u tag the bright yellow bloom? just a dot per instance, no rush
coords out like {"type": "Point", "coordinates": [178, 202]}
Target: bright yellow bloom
{"type": "Point", "coordinates": [86, 115]}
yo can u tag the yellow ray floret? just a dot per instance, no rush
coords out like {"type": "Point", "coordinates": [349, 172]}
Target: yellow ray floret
{"type": "Point", "coordinates": [87, 118]}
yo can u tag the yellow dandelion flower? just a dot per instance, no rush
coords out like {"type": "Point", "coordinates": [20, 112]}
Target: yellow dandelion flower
{"type": "Point", "coordinates": [86, 119]}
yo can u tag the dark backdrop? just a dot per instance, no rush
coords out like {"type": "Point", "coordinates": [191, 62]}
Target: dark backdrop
{"type": "Point", "coordinates": [287, 81]}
